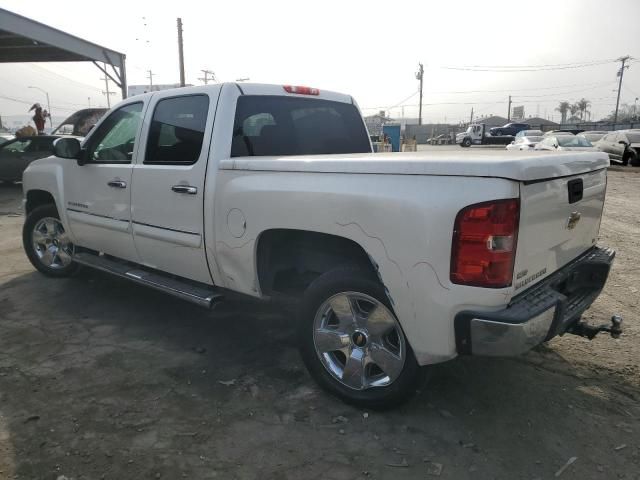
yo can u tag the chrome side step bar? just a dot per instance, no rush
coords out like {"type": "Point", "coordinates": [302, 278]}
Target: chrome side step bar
{"type": "Point", "coordinates": [202, 295]}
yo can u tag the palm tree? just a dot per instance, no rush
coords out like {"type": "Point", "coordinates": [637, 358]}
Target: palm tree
{"type": "Point", "coordinates": [563, 108]}
{"type": "Point", "coordinates": [574, 109]}
{"type": "Point", "coordinates": [583, 106]}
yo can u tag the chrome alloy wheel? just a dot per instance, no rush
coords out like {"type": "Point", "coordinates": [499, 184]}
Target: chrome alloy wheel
{"type": "Point", "coordinates": [359, 341]}
{"type": "Point", "coordinates": [51, 243]}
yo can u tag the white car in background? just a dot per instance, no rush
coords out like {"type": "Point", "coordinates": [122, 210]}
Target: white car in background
{"type": "Point", "coordinates": [566, 143]}
{"type": "Point", "coordinates": [529, 133]}
{"type": "Point", "coordinates": [525, 142]}
{"type": "Point", "coordinates": [594, 135]}
{"type": "Point", "coordinates": [5, 137]}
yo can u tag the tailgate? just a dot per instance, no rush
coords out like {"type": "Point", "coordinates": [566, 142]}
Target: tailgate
{"type": "Point", "coordinates": [556, 225]}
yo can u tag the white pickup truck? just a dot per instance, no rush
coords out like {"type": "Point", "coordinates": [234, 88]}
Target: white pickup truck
{"type": "Point", "coordinates": [395, 260]}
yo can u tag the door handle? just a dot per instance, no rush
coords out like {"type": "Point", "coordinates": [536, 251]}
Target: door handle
{"type": "Point", "coordinates": [185, 189]}
{"type": "Point", "coordinates": [117, 184]}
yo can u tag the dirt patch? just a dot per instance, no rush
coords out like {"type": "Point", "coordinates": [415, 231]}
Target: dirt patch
{"type": "Point", "coordinates": [103, 379]}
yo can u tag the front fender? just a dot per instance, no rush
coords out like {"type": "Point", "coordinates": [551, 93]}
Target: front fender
{"type": "Point", "coordinates": [47, 175]}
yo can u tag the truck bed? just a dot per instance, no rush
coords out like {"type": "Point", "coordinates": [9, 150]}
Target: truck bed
{"type": "Point", "coordinates": [513, 165]}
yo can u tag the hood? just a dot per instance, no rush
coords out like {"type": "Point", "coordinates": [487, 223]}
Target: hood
{"type": "Point", "coordinates": [579, 149]}
{"type": "Point", "coordinates": [514, 165]}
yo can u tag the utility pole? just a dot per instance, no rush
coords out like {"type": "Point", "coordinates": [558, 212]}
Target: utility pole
{"type": "Point", "coordinates": [471, 117]}
{"type": "Point", "coordinates": [181, 52]}
{"type": "Point", "coordinates": [206, 74]}
{"type": "Point", "coordinates": [419, 76]}
{"type": "Point", "coordinates": [106, 89]}
{"type": "Point", "coordinates": [620, 74]}
{"type": "Point", "coordinates": [509, 110]}
{"type": "Point", "coordinates": [150, 76]}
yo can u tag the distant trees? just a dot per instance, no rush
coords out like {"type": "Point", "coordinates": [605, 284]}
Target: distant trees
{"type": "Point", "coordinates": [583, 107]}
{"type": "Point", "coordinates": [578, 111]}
{"type": "Point", "coordinates": [563, 108]}
{"type": "Point", "coordinates": [626, 114]}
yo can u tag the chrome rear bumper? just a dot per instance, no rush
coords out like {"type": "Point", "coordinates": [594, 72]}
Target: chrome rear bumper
{"type": "Point", "coordinates": [543, 311]}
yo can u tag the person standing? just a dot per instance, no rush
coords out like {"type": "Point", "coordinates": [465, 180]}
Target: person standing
{"type": "Point", "coordinates": [38, 118]}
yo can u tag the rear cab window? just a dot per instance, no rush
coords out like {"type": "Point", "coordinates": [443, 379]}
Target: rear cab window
{"type": "Point", "coordinates": [276, 125]}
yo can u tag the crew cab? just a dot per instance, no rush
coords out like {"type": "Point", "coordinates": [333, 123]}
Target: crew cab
{"type": "Point", "coordinates": [393, 260]}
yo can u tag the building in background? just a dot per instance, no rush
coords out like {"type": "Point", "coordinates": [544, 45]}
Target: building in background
{"type": "Point", "coordinates": [375, 122]}
{"type": "Point", "coordinates": [140, 89]}
{"type": "Point", "coordinates": [542, 123]}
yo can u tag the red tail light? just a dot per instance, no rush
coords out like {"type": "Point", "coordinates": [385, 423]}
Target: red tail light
{"type": "Point", "coordinates": [301, 90]}
{"type": "Point", "coordinates": [484, 244]}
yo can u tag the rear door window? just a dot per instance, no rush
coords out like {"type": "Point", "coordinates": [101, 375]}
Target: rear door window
{"type": "Point", "coordinates": [278, 125]}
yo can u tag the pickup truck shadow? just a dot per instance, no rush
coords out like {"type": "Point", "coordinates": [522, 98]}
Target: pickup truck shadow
{"type": "Point", "coordinates": [97, 372]}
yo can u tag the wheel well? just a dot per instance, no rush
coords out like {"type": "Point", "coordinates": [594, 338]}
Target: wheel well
{"type": "Point", "coordinates": [36, 198]}
{"type": "Point", "coordinates": [289, 260]}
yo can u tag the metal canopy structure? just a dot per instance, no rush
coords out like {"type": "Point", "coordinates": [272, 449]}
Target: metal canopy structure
{"type": "Point", "coordinates": [25, 40]}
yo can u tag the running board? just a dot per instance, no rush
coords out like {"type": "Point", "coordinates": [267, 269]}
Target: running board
{"type": "Point", "coordinates": [202, 295]}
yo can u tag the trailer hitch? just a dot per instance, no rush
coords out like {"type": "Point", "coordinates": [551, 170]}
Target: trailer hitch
{"type": "Point", "coordinates": [583, 329]}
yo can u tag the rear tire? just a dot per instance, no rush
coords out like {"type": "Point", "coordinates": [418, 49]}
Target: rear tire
{"type": "Point", "coordinates": [352, 343]}
{"type": "Point", "coordinates": [46, 243]}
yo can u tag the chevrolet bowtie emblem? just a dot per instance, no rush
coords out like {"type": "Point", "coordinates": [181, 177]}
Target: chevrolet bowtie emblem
{"type": "Point", "coordinates": [574, 218]}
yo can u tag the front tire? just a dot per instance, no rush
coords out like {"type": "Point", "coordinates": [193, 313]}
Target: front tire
{"type": "Point", "coordinates": [352, 343]}
{"type": "Point", "coordinates": [47, 244]}
{"type": "Point", "coordinates": [466, 142]}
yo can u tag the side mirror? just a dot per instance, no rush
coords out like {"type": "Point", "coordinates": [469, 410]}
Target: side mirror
{"type": "Point", "coordinates": [622, 142]}
{"type": "Point", "coordinates": [68, 148]}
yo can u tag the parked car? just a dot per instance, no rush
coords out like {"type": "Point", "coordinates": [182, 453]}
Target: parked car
{"type": "Point", "coordinates": [524, 143]}
{"type": "Point", "coordinates": [565, 143]}
{"type": "Point", "coordinates": [593, 135]}
{"type": "Point", "coordinates": [509, 129]}
{"type": "Point", "coordinates": [622, 146]}
{"type": "Point", "coordinates": [529, 133]}
{"type": "Point", "coordinates": [561, 132]}
{"type": "Point", "coordinates": [17, 154]}
{"type": "Point", "coordinates": [392, 261]}
{"type": "Point", "coordinates": [5, 137]}
{"type": "Point", "coordinates": [80, 123]}
{"type": "Point", "coordinates": [443, 139]}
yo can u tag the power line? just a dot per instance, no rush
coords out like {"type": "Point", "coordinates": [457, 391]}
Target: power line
{"type": "Point", "coordinates": [521, 89]}
{"type": "Point", "coordinates": [65, 78]}
{"type": "Point", "coordinates": [524, 68]}
{"type": "Point", "coordinates": [30, 102]}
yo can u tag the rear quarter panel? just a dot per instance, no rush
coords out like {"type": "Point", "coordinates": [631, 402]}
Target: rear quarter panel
{"type": "Point", "coordinates": [403, 222]}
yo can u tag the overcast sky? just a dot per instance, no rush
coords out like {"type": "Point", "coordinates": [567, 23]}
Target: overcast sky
{"type": "Point", "coordinates": [369, 49]}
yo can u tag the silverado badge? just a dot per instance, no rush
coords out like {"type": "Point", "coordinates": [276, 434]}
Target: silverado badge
{"type": "Point", "coordinates": [574, 218]}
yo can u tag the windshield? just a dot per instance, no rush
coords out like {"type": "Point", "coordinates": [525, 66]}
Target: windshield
{"type": "Point", "coordinates": [593, 137]}
{"type": "Point", "coordinates": [573, 141]}
{"type": "Point", "coordinates": [533, 139]}
{"type": "Point", "coordinates": [633, 137]}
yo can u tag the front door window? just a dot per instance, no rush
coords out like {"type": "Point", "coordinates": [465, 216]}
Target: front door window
{"type": "Point", "coordinates": [113, 142]}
